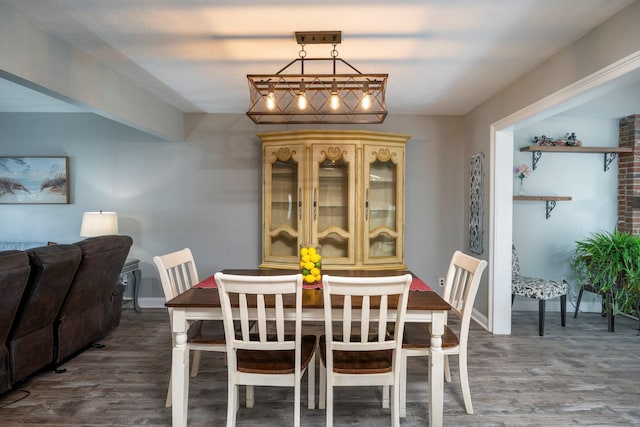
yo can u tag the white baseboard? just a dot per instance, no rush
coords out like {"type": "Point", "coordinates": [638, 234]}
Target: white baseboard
{"type": "Point", "coordinates": [480, 318]}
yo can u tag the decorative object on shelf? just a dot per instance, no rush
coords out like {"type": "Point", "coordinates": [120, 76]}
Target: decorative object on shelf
{"type": "Point", "coordinates": [34, 180]}
{"type": "Point", "coordinates": [311, 263]}
{"type": "Point", "coordinates": [569, 140]}
{"type": "Point", "coordinates": [521, 172]}
{"type": "Point", "coordinates": [99, 224]}
{"type": "Point", "coordinates": [572, 140]}
{"type": "Point", "coordinates": [476, 196]}
{"type": "Point", "coordinates": [542, 141]}
{"type": "Point", "coordinates": [337, 97]}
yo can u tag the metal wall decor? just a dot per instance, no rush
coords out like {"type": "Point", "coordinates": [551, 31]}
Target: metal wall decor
{"type": "Point", "coordinates": [476, 196]}
{"type": "Point", "coordinates": [340, 94]}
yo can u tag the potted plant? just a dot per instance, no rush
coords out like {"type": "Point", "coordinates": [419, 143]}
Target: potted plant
{"type": "Point", "coordinates": [609, 264]}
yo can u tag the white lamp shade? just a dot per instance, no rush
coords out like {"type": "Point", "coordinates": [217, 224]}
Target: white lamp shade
{"type": "Point", "coordinates": [99, 224]}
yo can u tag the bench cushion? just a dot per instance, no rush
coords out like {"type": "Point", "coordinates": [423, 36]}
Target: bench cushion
{"type": "Point", "coordinates": [535, 287]}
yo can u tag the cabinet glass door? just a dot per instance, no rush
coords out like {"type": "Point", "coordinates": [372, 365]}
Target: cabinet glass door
{"type": "Point", "coordinates": [383, 206]}
{"type": "Point", "coordinates": [332, 213]}
{"type": "Point", "coordinates": [283, 203]}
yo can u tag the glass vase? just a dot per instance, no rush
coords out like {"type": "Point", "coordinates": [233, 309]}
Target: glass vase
{"type": "Point", "coordinates": [311, 263]}
{"type": "Point", "coordinates": [521, 190]}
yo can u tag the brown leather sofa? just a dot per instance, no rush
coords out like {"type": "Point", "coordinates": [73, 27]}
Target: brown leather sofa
{"type": "Point", "coordinates": [14, 273]}
{"type": "Point", "coordinates": [73, 297]}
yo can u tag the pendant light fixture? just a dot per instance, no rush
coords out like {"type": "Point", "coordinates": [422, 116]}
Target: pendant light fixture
{"type": "Point", "coordinates": [341, 95]}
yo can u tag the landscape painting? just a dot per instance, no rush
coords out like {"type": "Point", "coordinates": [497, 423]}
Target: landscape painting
{"type": "Point", "coordinates": [34, 180]}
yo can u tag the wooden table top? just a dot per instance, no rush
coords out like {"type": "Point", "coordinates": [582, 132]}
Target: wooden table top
{"type": "Point", "coordinates": [311, 298]}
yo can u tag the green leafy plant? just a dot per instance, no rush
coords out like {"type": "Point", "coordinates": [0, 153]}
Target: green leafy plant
{"type": "Point", "coordinates": [610, 263]}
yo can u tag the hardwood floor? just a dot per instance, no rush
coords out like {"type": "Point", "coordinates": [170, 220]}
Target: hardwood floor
{"type": "Point", "coordinates": [578, 375]}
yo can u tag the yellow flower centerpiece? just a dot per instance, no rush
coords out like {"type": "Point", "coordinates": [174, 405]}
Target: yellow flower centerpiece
{"type": "Point", "coordinates": [311, 264]}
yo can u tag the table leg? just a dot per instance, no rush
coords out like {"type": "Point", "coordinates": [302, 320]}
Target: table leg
{"type": "Point", "coordinates": [136, 289]}
{"type": "Point", "coordinates": [436, 370]}
{"type": "Point", "coordinates": [180, 370]}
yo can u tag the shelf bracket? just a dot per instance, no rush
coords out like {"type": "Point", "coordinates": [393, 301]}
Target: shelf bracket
{"type": "Point", "coordinates": [608, 158]}
{"type": "Point", "coordinates": [536, 156]}
{"type": "Point", "coordinates": [550, 205]}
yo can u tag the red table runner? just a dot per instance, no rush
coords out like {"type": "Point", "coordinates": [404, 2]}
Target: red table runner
{"type": "Point", "coordinates": [416, 284]}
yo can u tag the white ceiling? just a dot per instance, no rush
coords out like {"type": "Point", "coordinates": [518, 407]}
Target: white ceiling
{"type": "Point", "coordinates": [443, 57]}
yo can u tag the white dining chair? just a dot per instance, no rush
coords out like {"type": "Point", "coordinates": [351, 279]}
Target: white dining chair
{"type": "Point", "coordinates": [370, 356]}
{"type": "Point", "coordinates": [460, 289]}
{"type": "Point", "coordinates": [178, 273]}
{"type": "Point", "coordinates": [269, 356]}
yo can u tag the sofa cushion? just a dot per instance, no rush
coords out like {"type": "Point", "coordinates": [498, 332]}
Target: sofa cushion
{"type": "Point", "coordinates": [31, 343]}
{"type": "Point", "coordinates": [14, 273]}
{"type": "Point", "coordinates": [88, 310]}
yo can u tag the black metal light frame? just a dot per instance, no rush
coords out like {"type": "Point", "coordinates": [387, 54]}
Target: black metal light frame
{"type": "Point", "coordinates": [273, 98]}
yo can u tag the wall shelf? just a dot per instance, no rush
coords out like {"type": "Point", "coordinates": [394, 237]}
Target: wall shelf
{"type": "Point", "coordinates": [550, 200]}
{"type": "Point", "coordinates": [610, 153]}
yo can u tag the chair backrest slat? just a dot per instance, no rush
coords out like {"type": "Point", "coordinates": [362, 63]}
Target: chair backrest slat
{"type": "Point", "coordinates": [262, 318]}
{"type": "Point", "coordinates": [382, 317]}
{"type": "Point", "coordinates": [346, 316]}
{"type": "Point", "coordinates": [279, 318]}
{"type": "Point", "coordinates": [243, 311]}
{"type": "Point", "coordinates": [364, 321]}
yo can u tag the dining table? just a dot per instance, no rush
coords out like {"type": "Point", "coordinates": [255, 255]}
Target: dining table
{"type": "Point", "coordinates": [202, 302]}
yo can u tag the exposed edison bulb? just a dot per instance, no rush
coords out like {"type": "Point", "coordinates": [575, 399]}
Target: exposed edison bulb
{"type": "Point", "coordinates": [366, 101]}
{"type": "Point", "coordinates": [271, 101]}
{"type": "Point", "coordinates": [334, 101]}
{"type": "Point", "coordinates": [302, 101]}
{"type": "Point", "coordinates": [302, 97]}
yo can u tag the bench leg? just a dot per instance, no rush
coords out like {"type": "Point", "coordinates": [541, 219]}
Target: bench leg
{"type": "Point", "coordinates": [541, 307]}
{"type": "Point", "coordinates": [610, 316]}
{"type": "Point", "coordinates": [578, 303]}
{"type": "Point", "coordinates": [563, 310]}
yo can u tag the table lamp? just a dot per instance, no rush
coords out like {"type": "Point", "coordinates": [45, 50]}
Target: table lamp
{"type": "Point", "coordinates": [99, 224]}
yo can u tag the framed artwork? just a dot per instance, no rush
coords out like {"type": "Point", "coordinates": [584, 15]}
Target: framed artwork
{"type": "Point", "coordinates": [476, 196]}
{"type": "Point", "coordinates": [32, 180]}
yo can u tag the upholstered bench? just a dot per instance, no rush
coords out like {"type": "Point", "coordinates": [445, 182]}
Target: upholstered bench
{"type": "Point", "coordinates": [538, 288]}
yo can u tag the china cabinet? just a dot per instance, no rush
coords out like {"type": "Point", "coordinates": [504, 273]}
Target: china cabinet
{"type": "Point", "coordinates": [340, 190]}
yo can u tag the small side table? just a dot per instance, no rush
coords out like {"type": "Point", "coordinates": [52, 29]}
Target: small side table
{"type": "Point", "coordinates": [132, 265]}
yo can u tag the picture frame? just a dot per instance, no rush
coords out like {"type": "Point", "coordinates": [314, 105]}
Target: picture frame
{"type": "Point", "coordinates": [34, 180]}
